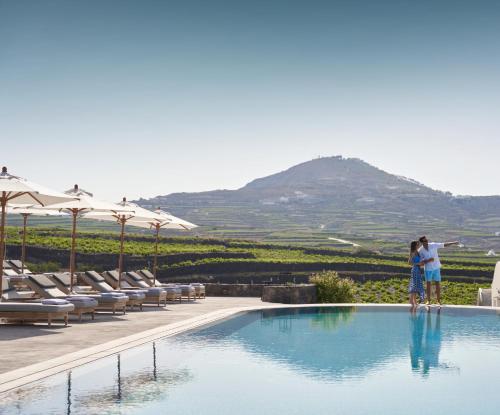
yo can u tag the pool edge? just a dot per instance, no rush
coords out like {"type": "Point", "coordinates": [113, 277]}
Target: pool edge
{"type": "Point", "coordinates": [32, 373]}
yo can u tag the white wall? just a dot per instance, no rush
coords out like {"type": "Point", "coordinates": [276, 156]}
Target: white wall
{"type": "Point", "coordinates": [495, 287]}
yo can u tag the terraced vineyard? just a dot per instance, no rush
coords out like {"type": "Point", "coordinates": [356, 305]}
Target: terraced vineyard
{"type": "Point", "coordinates": [395, 291]}
{"type": "Point", "coordinates": [379, 276]}
{"type": "Point", "coordinates": [185, 256]}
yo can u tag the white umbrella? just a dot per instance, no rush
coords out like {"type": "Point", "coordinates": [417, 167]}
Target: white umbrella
{"type": "Point", "coordinates": [15, 189]}
{"type": "Point", "coordinates": [84, 204]}
{"type": "Point", "coordinates": [169, 222]}
{"type": "Point", "coordinates": [26, 211]}
{"type": "Point", "coordinates": [123, 218]}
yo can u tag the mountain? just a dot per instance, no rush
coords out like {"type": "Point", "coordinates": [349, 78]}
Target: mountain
{"type": "Point", "coordinates": [344, 195]}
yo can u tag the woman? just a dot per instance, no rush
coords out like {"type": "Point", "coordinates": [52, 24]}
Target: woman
{"type": "Point", "coordinates": [416, 285]}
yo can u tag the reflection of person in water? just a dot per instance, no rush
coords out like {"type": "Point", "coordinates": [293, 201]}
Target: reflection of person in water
{"type": "Point", "coordinates": [417, 337]}
{"type": "Point", "coordinates": [425, 342]}
{"type": "Point", "coordinates": [432, 342]}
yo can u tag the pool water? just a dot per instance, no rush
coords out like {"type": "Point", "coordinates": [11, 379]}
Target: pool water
{"type": "Point", "coordinates": [335, 360]}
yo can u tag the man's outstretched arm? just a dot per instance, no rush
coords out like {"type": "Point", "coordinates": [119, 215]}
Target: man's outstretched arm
{"type": "Point", "coordinates": [446, 244]}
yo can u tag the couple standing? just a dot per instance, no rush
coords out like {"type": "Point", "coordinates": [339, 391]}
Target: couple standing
{"type": "Point", "coordinates": [425, 253]}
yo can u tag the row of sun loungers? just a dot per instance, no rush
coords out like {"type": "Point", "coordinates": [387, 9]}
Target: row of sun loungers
{"type": "Point", "coordinates": [49, 296]}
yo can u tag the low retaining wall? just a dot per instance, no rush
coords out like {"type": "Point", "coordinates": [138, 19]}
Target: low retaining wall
{"type": "Point", "coordinates": [294, 294]}
{"type": "Point", "coordinates": [234, 290]}
{"type": "Point", "coordinates": [286, 294]}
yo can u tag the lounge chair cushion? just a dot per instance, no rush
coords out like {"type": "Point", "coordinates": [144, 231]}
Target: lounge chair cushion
{"type": "Point", "coordinates": [110, 299]}
{"type": "Point", "coordinates": [44, 286]}
{"type": "Point", "coordinates": [113, 294]}
{"type": "Point", "coordinates": [135, 295]}
{"type": "Point", "coordinates": [134, 276]}
{"type": "Point", "coordinates": [42, 281]}
{"type": "Point", "coordinates": [55, 301]}
{"type": "Point", "coordinates": [172, 289]}
{"type": "Point", "coordinates": [15, 262]}
{"type": "Point", "coordinates": [136, 279]}
{"type": "Point", "coordinates": [98, 282]}
{"type": "Point", "coordinates": [155, 291]}
{"type": "Point", "coordinates": [80, 301]}
{"type": "Point", "coordinates": [62, 278]}
{"type": "Point", "coordinates": [10, 273]}
{"type": "Point", "coordinates": [147, 273]}
{"type": "Point", "coordinates": [36, 307]}
{"type": "Point", "coordinates": [94, 276]}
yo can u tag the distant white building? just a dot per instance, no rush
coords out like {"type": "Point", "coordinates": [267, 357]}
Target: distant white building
{"type": "Point", "coordinates": [491, 252]}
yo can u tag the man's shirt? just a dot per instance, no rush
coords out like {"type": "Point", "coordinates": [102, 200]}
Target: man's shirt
{"type": "Point", "coordinates": [431, 252]}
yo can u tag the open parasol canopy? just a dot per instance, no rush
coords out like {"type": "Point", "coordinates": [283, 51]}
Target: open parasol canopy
{"type": "Point", "coordinates": [14, 189]}
{"type": "Point", "coordinates": [123, 218]}
{"type": "Point", "coordinates": [168, 222]}
{"type": "Point", "coordinates": [84, 204]}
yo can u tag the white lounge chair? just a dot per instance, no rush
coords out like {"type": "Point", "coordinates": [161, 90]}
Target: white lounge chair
{"type": "Point", "coordinates": [45, 310]}
{"type": "Point", "coordinates": [98, 282]}
{"type": "Point", "coordinates": [105, 302]}
{"type": "Point", "coordinates": [46, 289]}
{"type": "Point", "coordinates": [129, 281]}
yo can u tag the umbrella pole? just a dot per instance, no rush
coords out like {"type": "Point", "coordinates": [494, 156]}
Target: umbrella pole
{"type": "Point", "coordinates": [72, 261]}
{"type": "Point", "coordinates": [2, 244]}
{"type": "Point", "coordinates": [155, 263]}
{"type": "Point", "coordinates": [23, 250]}
{"type": "Point", "coordinates": [120, 259]}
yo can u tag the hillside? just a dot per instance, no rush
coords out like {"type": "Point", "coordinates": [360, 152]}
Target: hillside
{"type": "Point", "coordinates": [337, 195]}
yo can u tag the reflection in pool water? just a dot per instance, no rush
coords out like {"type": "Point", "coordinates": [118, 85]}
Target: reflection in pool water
{"type": "Point", "coordinates": [426, 342]}
{"type": "Point", "coordinates": [294, 361]}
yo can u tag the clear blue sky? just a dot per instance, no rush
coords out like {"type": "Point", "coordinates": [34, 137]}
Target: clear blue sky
{"type": "Point", "coordinates": [141, 98]}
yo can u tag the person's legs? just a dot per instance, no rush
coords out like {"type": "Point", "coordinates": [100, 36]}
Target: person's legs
{"type": "Point", "coordinates": [437, 279]}
{"type": "Point", "coordinates": [428, 292]}
{"type": "Point", "coordinates": [412, 300]}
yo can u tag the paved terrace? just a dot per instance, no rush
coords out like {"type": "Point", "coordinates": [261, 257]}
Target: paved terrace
{"type": "Point", "coordinates": [24, 345]}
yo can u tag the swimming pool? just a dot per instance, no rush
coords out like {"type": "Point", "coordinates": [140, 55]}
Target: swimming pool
{"type": "Point", "coordinates": [332, 360]}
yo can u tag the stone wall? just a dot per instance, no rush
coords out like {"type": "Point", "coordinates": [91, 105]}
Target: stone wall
{"type": "Point", "coordinates": [286, 294]}
{"type": "Point", "coordinates": [290, 294]}
{"type": "Point", "coordinates": [234, 290]}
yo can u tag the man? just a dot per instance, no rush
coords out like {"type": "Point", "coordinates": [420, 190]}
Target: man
{"type": "Point", "coordinates": [432, 268]}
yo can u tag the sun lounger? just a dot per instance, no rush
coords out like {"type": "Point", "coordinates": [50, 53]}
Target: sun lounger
{"type": "Point", "coordinates": [135, 279]}
{"type": "Point", "coordinates": [8, 271]}
{"type": "Point", "coordinates": [17, 265]}
{"type": "Point", "coordinates": [104, 302]}
{"type": "Point", "coordinates": [174, 292]}
{"type": "Point", "coordinates": [9, 293]}
{"type": "Point", "coordinates": [47, 289]}
{"type": "Point", "coordinates": [46, 310]}
{"type": "Point", "coordinates": [98, 282]}
{"type": "Point", "coordinates": [153, 295]}
{"type": "Point", "coordinates": [199, 289]}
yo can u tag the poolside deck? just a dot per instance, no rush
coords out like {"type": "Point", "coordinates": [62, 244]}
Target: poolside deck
{"type": "Point", "coordinates": [24, 345]}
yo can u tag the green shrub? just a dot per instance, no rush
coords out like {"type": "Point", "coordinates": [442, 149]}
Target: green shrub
{"type": "Point", "coordinates": [332, 288]}
{"type": "Point", "coordinates": [49, 266]}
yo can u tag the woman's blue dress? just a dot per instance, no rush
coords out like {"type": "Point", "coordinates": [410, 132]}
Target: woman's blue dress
{"type": "Point", "coordinates": [416, 285]}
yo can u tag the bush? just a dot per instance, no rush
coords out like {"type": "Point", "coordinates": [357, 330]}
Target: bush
{"type": "Point", "coordinates": [332, 288]}
{"type": "Point", "coordinates": [40, 268]}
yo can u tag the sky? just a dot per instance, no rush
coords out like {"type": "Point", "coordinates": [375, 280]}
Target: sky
{"type": "Point", "coordinates": [146, 98]}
